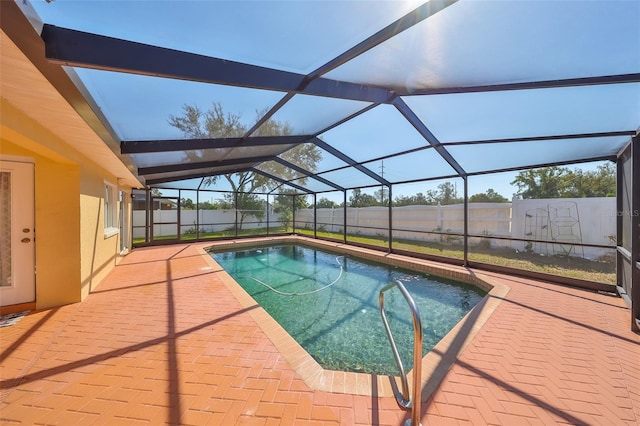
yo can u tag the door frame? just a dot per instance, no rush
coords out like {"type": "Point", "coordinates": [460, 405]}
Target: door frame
{"type": "Point", "coordinates": [124, 198]}
{"type": "Point", "coordinates": [26, 294]}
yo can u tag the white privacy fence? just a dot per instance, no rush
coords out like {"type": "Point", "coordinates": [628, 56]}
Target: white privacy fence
{"type": "Point", "coordinates": [408, 221]}
{"type": "Point", "coordinates": [165, 221]}
{"type": "Point", "coordinates": [564, 223]}
{"type": "Point", "coordinates": [561, 224]}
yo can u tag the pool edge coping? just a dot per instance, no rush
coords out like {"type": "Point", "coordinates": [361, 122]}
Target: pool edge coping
{"type": "Point", "coordinates": [435, 364]}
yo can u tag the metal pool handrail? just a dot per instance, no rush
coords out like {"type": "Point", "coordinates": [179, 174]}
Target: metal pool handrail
{"type": "Point", "coordinates": [404, 400]}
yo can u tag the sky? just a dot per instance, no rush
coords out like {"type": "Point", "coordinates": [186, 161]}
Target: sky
{"type": "Point", "coordinates": [546, 41]}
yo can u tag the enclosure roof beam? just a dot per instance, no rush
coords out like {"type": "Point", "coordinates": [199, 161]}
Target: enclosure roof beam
{"type": "Point", "coordinates": [417, 15]}
{"type": "Point", "coordinates": [426, 133]}
{"type": "Point", "coordinates": [147, 146]}
{"type": "Point", "coordinates": [282, 181]}
{"type": "Point", "coordinates": [507, 140]}
{"type": "Point", "coordinates": [168, 168]}
{"type": "Point", "coordinates": [348, 118]}
{"type": "Point", "coordinates": [17, 27]}
{"type": "Point", "coordinates": [267, 116]}
{"type": "Point", "coordinates": [307, 173]}
{"type": "Point", "coordinates": [541, 165]}
{"type": "Point", "coordinates": [350, 161]}
{"type": "Point", "coordinates": [154, 181]}
{"type": "Point", "coordinates": [407, 21]}
{"type": "Point", "coordinates": [546, 84]}
{"type": "Point", "coordinates": [545, 138]}
{"type": "Point", "coordinates": [81, 49]}
{"type": "Point", "coordinates": [504, 170]}
{"type": "Point", "coordinates": [412, 18]}
{"type": "Point", "coordinates": [74, 48]}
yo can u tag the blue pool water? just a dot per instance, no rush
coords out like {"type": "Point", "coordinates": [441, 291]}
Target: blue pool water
{"type": "Point", "coordinates": [329, 304]}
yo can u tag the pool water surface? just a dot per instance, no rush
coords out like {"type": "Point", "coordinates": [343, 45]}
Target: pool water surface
{"type": "Point", "coordinates": [329, 303]}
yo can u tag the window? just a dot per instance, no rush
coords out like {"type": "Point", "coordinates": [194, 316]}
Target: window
{"type": "Point", "coordinates": [110, 210]}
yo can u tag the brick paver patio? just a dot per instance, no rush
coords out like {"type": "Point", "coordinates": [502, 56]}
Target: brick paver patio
{"type": "Point", "coordinates": [162, 340]}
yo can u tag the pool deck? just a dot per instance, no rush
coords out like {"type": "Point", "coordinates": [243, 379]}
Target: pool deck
{"type": "Point", "coordinates": [165, 339]}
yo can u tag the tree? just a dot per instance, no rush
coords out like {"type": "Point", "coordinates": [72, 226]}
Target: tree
{"type": "Point", "coordinates": [491, 196]}
{"type": "Point", "coordinates": [382, 196]}
{"type": "Point", "coordinates": [206, 205]}
{"type": "Point", "coordinates": [410, 200]}
{"type": "Point", "coordinates": [187, 204]}
{"type": "Point", "coordinates": [284, 204]}
{"type": "Point", "coordinates": [561, 182]}
{"type": "Point", "coordinates": [448, 194]}
{"type": "Point", "coordinates": [248, 205]}
{"type": "Point", "coordinates": [358, 199]}
{"type": "Point", "coordinates": [597, 183]}
{"type": "Point", "coordinates": [325, 203]}
{"type": "Point", "coordinates": [547, 182]}
{"type": "Point", "coordinates": [215, 123]}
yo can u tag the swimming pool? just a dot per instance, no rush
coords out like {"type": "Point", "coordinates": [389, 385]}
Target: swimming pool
{"type": "Point", "coordinates": [329, 303]}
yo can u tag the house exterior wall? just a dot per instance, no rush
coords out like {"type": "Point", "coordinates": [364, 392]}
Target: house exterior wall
{"type": "Point", "coordinates": [99, 253]}
{"type": "Point", "coordinates": [72, 253]}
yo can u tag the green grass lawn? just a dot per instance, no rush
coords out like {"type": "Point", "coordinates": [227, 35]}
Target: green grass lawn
{"type": "Point", "coordinates": [218, 234]}
{"type": "Point", "coordinates": [603, 271]}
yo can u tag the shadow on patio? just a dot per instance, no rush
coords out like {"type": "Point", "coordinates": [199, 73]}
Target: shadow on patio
{"type": "Point", "coordinates": [162, 340]}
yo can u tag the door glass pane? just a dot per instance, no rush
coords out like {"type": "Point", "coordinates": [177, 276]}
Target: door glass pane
{"type": "Point", "coordinates": [5, 229]}
{"type": "Point", "coordinates": [124, 221]}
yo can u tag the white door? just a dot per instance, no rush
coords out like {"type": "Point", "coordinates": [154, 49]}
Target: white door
{"type": "Point", "coordinates": [124, 221]}
{"type": "Point", "coordinates": [17, 233]}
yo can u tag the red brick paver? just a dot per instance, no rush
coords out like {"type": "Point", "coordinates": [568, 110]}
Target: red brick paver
{"type": "Point", "coordinates": [163, 341]}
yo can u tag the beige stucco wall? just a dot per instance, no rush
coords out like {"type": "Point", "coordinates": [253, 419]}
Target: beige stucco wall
{"type": "Point", "coordinates": [98, 253]}
{"type": "Point", "coordinates": [72, 253]}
